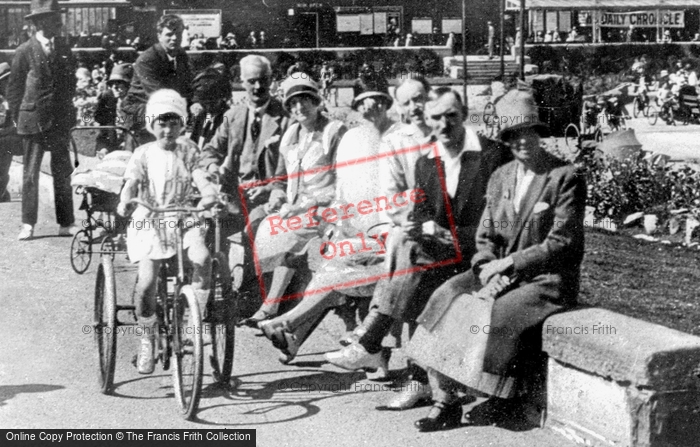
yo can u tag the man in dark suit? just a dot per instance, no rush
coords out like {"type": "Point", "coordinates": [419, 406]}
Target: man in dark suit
{"type": "Point", "coordinates": [164, 65]}
{"type": "Point", "coordinates": [529, 245]}
{"type": "Point", "coordinates": [438, 235]}
{"type": "Point", "coordinates": [40, 93]}
{"type": "Point", "coordinates": [245, 147]}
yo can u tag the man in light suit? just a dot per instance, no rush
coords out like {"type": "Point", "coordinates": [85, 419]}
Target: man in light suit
{"type": "Point", "coordinates": [245, 147]}
{"type": "Point", "coordinates": [530, 245]}
{"type": "Point", "coordinates": [40, 93]}
{"type": "Point", "coordinates": [164, 65]}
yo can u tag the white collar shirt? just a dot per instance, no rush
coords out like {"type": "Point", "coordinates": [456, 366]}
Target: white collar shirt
{"type": "Point", "coordinates": [523, 179]}
{"type": "Point", "coordinates": [46, 44]}
{"type": "Point", "coordinates": [453, 165]}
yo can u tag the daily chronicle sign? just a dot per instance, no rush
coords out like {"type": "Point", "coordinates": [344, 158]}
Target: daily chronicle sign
{"type": "Point", "coordinates": [664, 19]}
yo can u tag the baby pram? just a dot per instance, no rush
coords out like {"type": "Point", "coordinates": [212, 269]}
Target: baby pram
{"type": "Point", "coordinates": [100, 186]}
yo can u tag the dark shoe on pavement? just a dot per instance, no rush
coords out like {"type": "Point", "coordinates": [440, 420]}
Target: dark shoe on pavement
{"type": "Point", "coordinates": [496, 411]}
{"type": "Point", "coordinates": [441, 417]}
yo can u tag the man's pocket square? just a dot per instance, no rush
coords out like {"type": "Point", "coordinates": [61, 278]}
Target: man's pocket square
{"type": "Point", "coordinates": [540, 206]}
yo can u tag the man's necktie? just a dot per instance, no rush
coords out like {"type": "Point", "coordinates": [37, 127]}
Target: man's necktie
{"type": "Point", "coordinates": [255, 127]}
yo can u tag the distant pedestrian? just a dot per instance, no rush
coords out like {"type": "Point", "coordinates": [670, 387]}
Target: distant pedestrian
{"type": "Point", "coordinates": [515, 50]}
{"type": "Point", "coordinates": [491, 39]}
{"type": "Point", "coordinates": [436, 37]}
{"type": "Point", "coordinates": [251, 41]}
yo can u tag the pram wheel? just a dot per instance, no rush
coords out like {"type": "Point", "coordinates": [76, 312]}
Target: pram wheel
{"type": "Point", "coordinates": [81, 251]}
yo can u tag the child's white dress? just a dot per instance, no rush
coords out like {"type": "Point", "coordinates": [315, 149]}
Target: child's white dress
{"type": "Point", "coordinates": [165, 178]}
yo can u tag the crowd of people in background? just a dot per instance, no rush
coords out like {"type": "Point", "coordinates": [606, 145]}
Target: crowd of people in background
{"type": "Point", "coordinates": [666, 81]}
{"type": "Point", "coordinates": [229, 39]}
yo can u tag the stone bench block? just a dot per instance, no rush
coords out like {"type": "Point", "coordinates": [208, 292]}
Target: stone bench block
{"type": "Point", "coordinates": [619, 381]}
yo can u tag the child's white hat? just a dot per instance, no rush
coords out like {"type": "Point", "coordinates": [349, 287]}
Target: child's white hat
{"type": "Point", "coordinates": [164, 102]}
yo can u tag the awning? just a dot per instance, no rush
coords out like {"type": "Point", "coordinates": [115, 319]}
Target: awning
{"type": "Point", "coordinates": [611, 4]}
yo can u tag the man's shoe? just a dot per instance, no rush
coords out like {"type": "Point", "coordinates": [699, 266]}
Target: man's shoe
{"type": "Point", "coordinates": [254, 321]}
{"type": "Point", "coordinates": [356, 357]}
{"type": "Point", "coordinates": [26, 233]}
{"type": "Point", "coordinates": [382, 373]}
{"type": "Point", "coordinates": [353, 337]}
{"type": "Point", "coordinates": [413, 393]}
{"type": "Point", "coordinates": [291, 346]}
{"type": "Point", "coordinates": [68, 230]}
{"type": "Point", "coordinates": [146, 362]}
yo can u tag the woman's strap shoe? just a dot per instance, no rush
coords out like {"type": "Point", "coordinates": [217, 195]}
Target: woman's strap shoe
{"type": "Point", "coordinates": [445, 416]}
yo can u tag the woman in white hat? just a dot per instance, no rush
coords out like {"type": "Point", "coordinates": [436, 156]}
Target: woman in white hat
{"type": "Point", "coordinates": [309, 148]}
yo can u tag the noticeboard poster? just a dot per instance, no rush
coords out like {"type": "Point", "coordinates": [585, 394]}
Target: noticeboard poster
{"type": "Point", "coordinates": [348, 23]}
{"type": "Point", "coordinates": [422, 26]}
{"type": "Point", "coordinates": [203, 22]}
{"type": "Point", "coordinates": [452, 26]}
{"type": "Point", "coordinates": [552, 19]}
{"type": "Point", "coordinates": [564, 21]}
{"type": "Point", "coordinates": [366, 24]}
{"type": "Point", "coordinates": [380, 23]}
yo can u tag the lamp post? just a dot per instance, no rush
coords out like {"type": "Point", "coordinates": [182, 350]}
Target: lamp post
{"type": "Point", "coordinates": [522, 40]}
{"type": "Point", "coordinates": [501, 9]}
{"type": "Point", "coordinates": [464, 52]}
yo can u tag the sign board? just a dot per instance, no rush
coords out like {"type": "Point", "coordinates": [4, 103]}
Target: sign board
{"type": "Point", "coordinates": [640, 19]}
{"type": "Point", "coordinates": [452, 26]}
{"type": "Point", "coordinates": [366, 24]}
{"type": "Point", "coordinates": [203, 22]}
{"type": "Point", "coordinates": [348, 23]}
{"type": "Point", "coordinates": [585, 18]}
{"type": "Point", "coordinates": [422, 26]}
{"type": "Point", "coordinates": [512, 5]}
{"type": "Point", "coordinates": [537, 20]}
{"type": "Point", "coordinates": [564, 21]}
{"type": "Point", "coordinates": [379, 23]}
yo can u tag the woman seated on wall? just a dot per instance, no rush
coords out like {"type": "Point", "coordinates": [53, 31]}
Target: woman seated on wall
{"type": "Point", "coordinates": [309, 149]}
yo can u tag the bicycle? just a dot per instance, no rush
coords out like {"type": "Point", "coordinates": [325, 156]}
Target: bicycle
{"type": "Point", "coordinates": [222, 306]}
{"type": "Point", "coordinates": [179, 335]}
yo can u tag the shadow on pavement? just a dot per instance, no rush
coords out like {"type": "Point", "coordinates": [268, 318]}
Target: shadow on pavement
{"type": "Point", "coordinates": [261, 397]}
{"type": "Point", "coordinates": [7, 392]}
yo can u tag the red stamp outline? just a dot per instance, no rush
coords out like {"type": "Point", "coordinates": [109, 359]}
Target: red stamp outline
{"type": "Point", "coordinates": [357, 282]}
